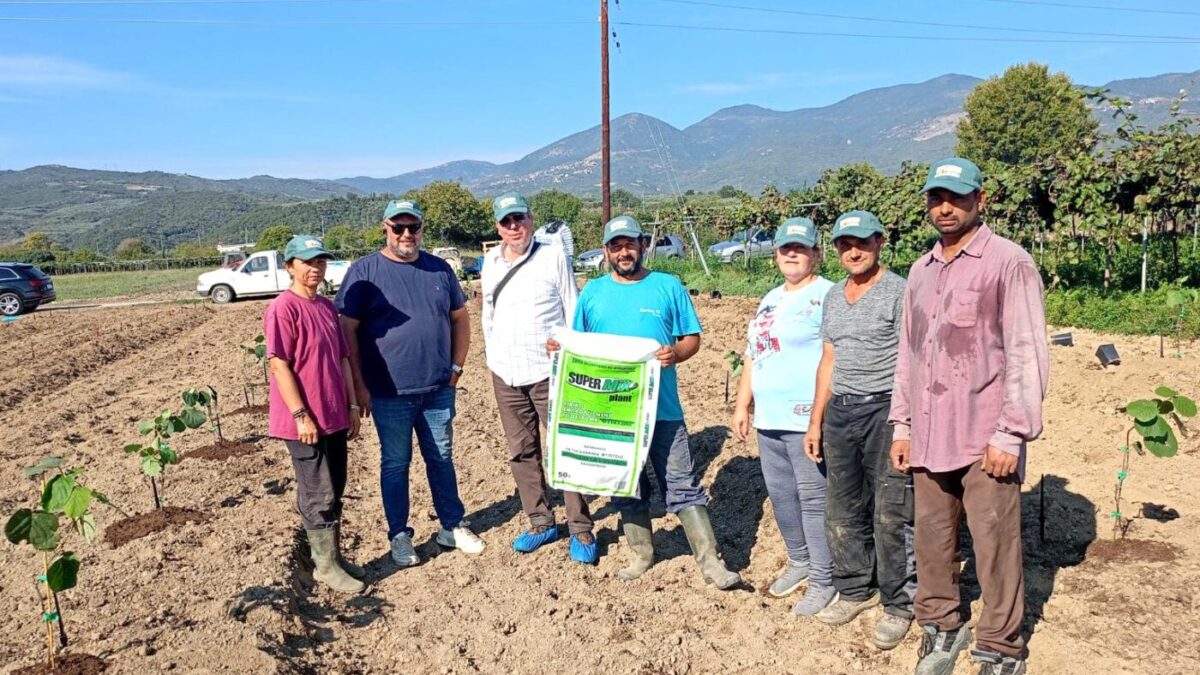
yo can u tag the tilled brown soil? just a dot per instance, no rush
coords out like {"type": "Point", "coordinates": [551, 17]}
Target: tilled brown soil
{"type": "Point", "coordinates": [227, 595]}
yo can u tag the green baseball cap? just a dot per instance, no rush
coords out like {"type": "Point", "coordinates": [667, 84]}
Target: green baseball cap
{"type": "Point", "coordinates": [509, 202]}
{"type": "Point", "coordinates": [622, 226]}
{"type": "Point", "coordinates": [398, 207]}
{"type": "Point", "coordinates": [956, 174]}
{"type": "Point", "coordinates": [796, 231]}
{"type": "Point", "coordinates": [305, 247]}
{"type": "Point", "coordinates": [861, 224]}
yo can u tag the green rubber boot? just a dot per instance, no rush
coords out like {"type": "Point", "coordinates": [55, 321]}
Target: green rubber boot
{"type": "Point", "coordinates": [703, 541]}
{"type": "Point", "coordinates": [351, 569]}
{"type": "Point", "coordinates": [639, 539]}
{"type": "Point", "coordinates": [323, 543]}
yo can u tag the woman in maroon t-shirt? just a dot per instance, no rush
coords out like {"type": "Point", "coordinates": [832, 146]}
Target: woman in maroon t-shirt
{"type": "Point", "coordinates": [312, 405]}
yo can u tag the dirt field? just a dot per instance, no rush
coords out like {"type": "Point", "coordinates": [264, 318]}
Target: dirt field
{"type": "Point", "coordinates": [223, 595]}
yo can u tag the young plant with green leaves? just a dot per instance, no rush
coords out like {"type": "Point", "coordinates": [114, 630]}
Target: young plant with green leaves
{"type": "Point", "coordinates": [155, 455]}
{"type": "Point", "coordinates": [1180, 299]}
{"type": "Point", "coordinates": [735, 370]}
{"type": "Point", "coordinates": [1149, 418]}
{"type": "Point", "coordinates": [256, 351]}
{"type": "Point", "coordinates": [206, 396]}
{"type": "Point", "coordinates": [65, 500]}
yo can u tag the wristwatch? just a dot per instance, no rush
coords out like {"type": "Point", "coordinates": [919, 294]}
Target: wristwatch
{"type": "Point", "coordinates": [456, 368]}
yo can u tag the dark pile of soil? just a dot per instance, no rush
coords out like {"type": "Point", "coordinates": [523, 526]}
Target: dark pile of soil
{"type": "Point", "coordinates": [249, 410]}
{"type": "Point", "coordinates": [135, 527]}
{"type": "Point", "coordinates": [223, 450]}
{"type": "Point", "coordinates": [1132, 550]}
{"type": "Point", "coordinates": [70, 664]}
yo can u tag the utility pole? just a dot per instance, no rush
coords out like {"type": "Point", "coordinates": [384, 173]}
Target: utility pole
{"type": "Point", "coordinates": [605, 149]}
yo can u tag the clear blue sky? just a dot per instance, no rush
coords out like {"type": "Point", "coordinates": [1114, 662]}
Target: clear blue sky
{"type": "Point", "coordinates": [313, 88]}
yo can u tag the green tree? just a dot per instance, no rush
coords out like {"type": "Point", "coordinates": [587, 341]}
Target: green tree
{"type": "Point", "coordinates": [549, 205]}
{"type": "Point", "coordinates": [729, 192]}
{"type": "Point", "coordinates": [624, 201]}
{"type": "Point", "coordinates": [135, 249]}
{"type": "Point", "coordinates": [274, 238]}
{"type": "Point", "coordinates": [340, 237]}
{"type": "Point", "coordinates": [452, 213]}
{"type": "Point", "coordinates": [1025, 116]}
{"type": "Point", "coordinates": [38, 248]}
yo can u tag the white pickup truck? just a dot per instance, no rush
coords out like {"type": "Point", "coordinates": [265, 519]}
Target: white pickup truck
{"type": "Point", "coordinates": [258, 275]}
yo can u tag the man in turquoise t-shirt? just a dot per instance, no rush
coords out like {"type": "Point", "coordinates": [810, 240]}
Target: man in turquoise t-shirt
{"type": "Point", "coordinates": [634, 301]}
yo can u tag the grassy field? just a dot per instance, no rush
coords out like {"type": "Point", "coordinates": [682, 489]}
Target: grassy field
{"type": "Point", "coordinates": [119, 284]}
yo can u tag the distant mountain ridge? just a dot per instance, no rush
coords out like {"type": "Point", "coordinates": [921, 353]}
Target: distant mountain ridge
{"type": "Point", "coordinates": [749, 146]}
{"type": "Point", "coordinates": [746, 146]}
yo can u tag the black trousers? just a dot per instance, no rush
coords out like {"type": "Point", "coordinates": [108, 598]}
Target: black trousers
{"type": "Point", "coordinates": [869, 507]}
{"type": "Point", "coordinates": [320, 479]}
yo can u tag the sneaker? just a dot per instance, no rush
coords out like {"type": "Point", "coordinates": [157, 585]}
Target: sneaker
{"type": "Point", "coordinates": [940, 648]}
{"type": "Point", "coordinates": [403, 552]}
{"type": "Point", "coordinates": [532, 539]}
{"type": "Point", "coordinates": [994, 663]}
{"type": "Point", "coordinates": [793, 575]}
{"type": "Point", "coordinates": [890, 630]}
{"type": "Point", "coordinates": [462, 539]}
{"type": "Point", "coordinates": [584, 551]}
{"type": "Point", "coordinates": [816, 598]}
{"type": "Point", "coordinates": [843, 610]}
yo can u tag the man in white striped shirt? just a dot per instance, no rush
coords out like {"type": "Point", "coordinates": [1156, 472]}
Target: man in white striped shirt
{"type": "Point", "coordinates": [527, 290]}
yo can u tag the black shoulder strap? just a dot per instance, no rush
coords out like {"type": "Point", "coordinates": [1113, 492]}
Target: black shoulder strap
{"type": "Point", "coordinates": [507, 277]}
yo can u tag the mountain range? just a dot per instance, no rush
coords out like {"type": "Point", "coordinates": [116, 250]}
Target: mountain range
{"type": "Point", "coordinates": [745, 146]}
{"type": "Point", "coordinates": [748, 146]}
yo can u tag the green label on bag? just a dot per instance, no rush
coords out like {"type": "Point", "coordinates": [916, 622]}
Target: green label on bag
{"type": "Point", "coordinates": [599, 431]}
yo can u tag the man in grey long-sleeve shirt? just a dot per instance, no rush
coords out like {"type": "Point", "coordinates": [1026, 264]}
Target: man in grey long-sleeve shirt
{"type": "Point", "coordinates": [869, 507]}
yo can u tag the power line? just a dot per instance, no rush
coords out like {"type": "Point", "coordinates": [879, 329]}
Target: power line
{"type": "Point", "coordinates": [878, 36]}
{"type": "Point", "coordinates": [286, 22]}
{"type": "Point", "coordinates": [183, 2]}
{"type": "Point", "coordinates": [1139, 10]}
{"type": "Point", "coordinates": [940, 24]}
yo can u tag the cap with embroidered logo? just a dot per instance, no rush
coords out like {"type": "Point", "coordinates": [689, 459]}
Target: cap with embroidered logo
{"type": "Point", "coordinates": [398, 207]}
{"type": "Point", "coordinates": [622, 226]}
{"type": "Point", "coordinates": [861, 224]}
{"type": "Point", "coordinates": [796, 231]}
{"type": "Point", "coordinates": [305, 247]}
{"type": "Point", "coordinates": [956, 174]}
{"type": "Point", "coordinates": [509, 202]}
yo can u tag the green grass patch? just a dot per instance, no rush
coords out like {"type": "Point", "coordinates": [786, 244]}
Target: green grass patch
{"type": "Point", "coordinates": [1130, 313]}
{"type": "Point", "coordinates": [100, 285]}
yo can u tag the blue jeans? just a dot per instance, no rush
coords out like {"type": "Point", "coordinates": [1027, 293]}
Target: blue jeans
{"type": "Point", "coordinates": [431, 415]}
{"type": "Point", "coordinates": [671, 457]}
{"type": "Point", "coordinates": [796, 486]}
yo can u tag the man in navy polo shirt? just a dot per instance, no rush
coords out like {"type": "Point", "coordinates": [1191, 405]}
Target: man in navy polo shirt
{"type": "Point", "coordinates": [405, 318]}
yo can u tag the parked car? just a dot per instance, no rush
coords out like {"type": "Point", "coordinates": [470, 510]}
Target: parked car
{"type": "Point", "coordinates": [734, 250]}
{"type": "Point", "coordinates": [262, 274]}
{"type": "Point", "coordinates": [472, 267]}
{"type": "Point", "coordinates": [23, 287]}
{"type": "Point", "coordinates": [667, 246]}
{"type": "Point", "coordinates": [452, 257]}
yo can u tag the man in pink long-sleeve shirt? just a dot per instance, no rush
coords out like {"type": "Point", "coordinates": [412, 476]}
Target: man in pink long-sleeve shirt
{"type": "Point", "coordinates": [970, 379]}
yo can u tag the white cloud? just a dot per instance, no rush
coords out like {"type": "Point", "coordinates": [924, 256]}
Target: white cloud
{"type": "Point", "coordinates": [52, 72]}
{"type": "Point", "coordinates": [27, 72]}
{"type": "Point", "coordinates": [772, 81]}
{"type": "Point", "coordinates": [755, 83]}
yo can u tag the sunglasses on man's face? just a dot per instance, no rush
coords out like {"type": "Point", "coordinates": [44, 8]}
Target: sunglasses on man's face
{"type": "Point", "coordinates": [513, 219]}
{"type": "Point", "coordinates": [399, 228]}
